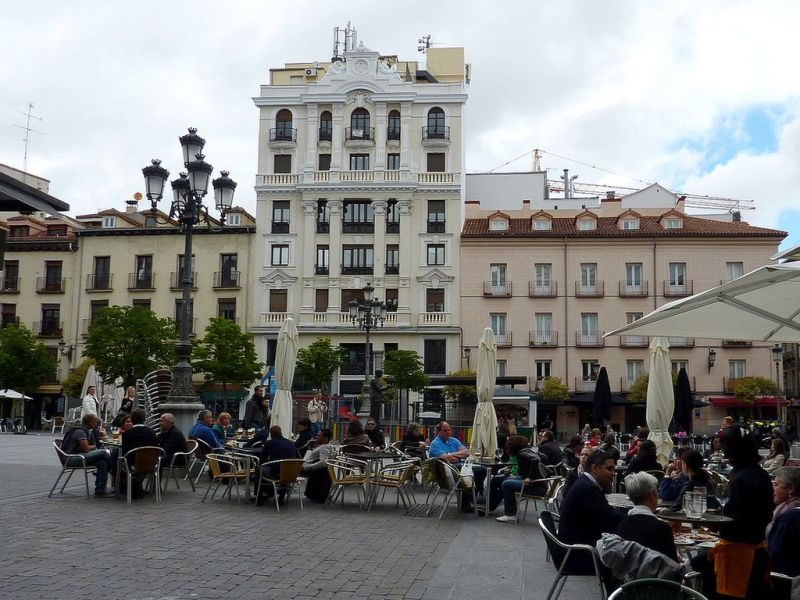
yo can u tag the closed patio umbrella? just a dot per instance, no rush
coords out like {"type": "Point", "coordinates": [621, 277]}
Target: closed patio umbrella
{"type": "Point", "coordinates": [660, 398]}
{"type": "Point", "coordinates": [683, 402]}
{"type": "Point", "coordinates": [601, 404]}
{"type": "Point", "coordinates": [484, 427]}
{"type": "Point", "coordinates": [285, 361]}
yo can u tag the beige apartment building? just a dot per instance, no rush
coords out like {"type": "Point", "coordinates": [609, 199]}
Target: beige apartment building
{"type": "Point", "coordinates": [359, 181]}
{"type": "Point", "coordinates": [552, 275]}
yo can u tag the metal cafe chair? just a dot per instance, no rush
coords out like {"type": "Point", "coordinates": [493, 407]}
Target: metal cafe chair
{"type": "Point", "coordinates": [180, 460]}
{"type": "Point", "coordinates": [287, 478]}
{"type": "Point", "coordinates": [71, 463]}
{"type": "Point", "coordinates": [655, 589]}
{"type": "Point", "coordinates": [144, 461]}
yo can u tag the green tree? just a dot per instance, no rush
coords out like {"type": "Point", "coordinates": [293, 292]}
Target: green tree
{"type": "Point", "coordinates": [24, 361]}
{"type": "Point", "coordinates": [749, 388]}
{"type": "Point", "coordinates": [130, 342]}
{"type": "Point", "coordinates": [403, 369]}
{"type": "Point", "coordinates": [462, 393]}
{"type": "Point", "coordinates": [73, 384]}
{"type": "Point", "coordinates": [638, 389]}
{"type": "Point", "coordinates": [553, 390]}
{"type": "Point", "coordinates": [226, 354]}
{"type": "Point", "coordinates": [317, 362]}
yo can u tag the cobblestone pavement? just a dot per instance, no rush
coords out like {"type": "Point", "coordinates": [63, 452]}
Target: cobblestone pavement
{"type": "Point", "coordinates": [73, 547]}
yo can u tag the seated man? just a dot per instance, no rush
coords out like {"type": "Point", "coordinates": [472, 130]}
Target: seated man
{"type": "Point", "coordinates": [316, 468]}
{"type": "Point", "coordinates": [549, 448]}
{"type": "Point", "coordinates": [203, 431]}
{"type": "Point", "coordinates": [670, 486]}
{"type": "Point", "coordinates": [641, 525]}
{"type": "Point", "coordinates": [139, 434]}
{"type": "Point", "coordinates": [171, 440]}
{"type": "Point", "coordinates": [585, 512]}
{"type": "Point", "coordinates": [277, 448]}
{"type": "Point", "coordinates": [448, 448]}
{"type": "Point", "coordinates": [76, 441]}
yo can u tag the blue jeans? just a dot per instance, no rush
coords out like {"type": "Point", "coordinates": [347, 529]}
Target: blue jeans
{"type": "Point", "coordinates": [96, 458]}
{"type": "Point", "coordinates": [511, 486]}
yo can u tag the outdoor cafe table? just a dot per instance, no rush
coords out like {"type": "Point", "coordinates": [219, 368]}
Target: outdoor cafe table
{"type": "Point", "coordinates": [622, 501]}
{"type": "Point", "coordinates": [707, 520]}
{"type": "Point", "coordinates": [492, 469]}
{"type": "Point", "coordinates": [374, 462]}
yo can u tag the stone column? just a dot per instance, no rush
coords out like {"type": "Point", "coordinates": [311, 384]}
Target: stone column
{"type": "Point", "coordinates": [407, 238]}
{"type": "Point", "coordinates": [379, 242]}
{"type": "Point", "coordinates": [380, 136]}
{"type": "Point", "coordinates": [335, 249]}
{"type": "Point", "coordinates": [309, 254]}
{"type": "Point", "coordinates": [405, 137]}
{"type": "Point", "coordinates": [312, 128]}
{"type": "Point", "coordinates": [337, 138]}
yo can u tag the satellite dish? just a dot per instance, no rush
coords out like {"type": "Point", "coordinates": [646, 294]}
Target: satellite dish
{"type": "Point", "coordinates": [137, 196]}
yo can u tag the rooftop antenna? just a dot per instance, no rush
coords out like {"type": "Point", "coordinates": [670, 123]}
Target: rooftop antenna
{"type": "Point", "coordinates": [350, 40]}
{"type": "Point", "coordinates": [28, 130]}
{"type": "Point", "coordinates": [537, 155]}
{"type": "Point", "coordinates": [424, 43]}
{"type": "Point", "coordinates": [568, 183]}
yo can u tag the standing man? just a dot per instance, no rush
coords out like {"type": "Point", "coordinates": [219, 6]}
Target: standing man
{"type": "Point", "coordinates": [256, 411]}
{"type": "Point", "coordinates": [76, 441]}
{"type": "Point", "coordinates": [91, 406]}
{"type": "Point", "coordinates": [316, 412]}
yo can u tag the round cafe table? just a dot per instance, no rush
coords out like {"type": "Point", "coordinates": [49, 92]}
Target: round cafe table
{"type": "Point", "coordinates": [708, 520]}
{"type": "Point", "coordinates": [619, 500]}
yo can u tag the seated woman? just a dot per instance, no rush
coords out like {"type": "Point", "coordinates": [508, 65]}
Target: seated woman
{"type": "Point", "coordinates": [645, 460]}
{"type": "Point", "coordinates": [523, 469]}
{"type": "Point", "coordinates": [572, 452]}
{"type": "Point", "coordinates": [356, 435]}
{"type": "Point", "coordinates": [783, 533]}
{"type": "Point", "coordinates": [375, 434]}
{"type": "Point", "coordinates": [413, 443]}
{"type": "Point", "coordinates": [595, 437]}
{"type": "Point", "coordinates": [641, 525]}
{"type": "Point", "coordinates": [633, 449]}
{"type": "Point", "coordinates": [714, 452]}
{"type": "Point", "coordinates": [223, 426]}
{"type": "Point", "coordinates": [674, 478]}
{"type": "Point", "coordinates": [697, 477]}
{"type": "Point", "coordinates": [776, 458]}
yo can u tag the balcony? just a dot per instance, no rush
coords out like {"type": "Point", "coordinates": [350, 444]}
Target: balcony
{"type": "Point", "coordinates": [392, 269]}
{"type": "Point", "coordinates": [142, 282]}
{"type": "Point", "coordinates": [543, 339]}
{"type": "Point", "coordinates": [274, 319]}
{"type": "Point", "coordinates": [352, 270]}
{"type": "Point", "coordinates": [358, 227]}
{"type": "Point", "coordinates": [393, 134]}
{"type": "Point", "coordinates": [634, 341]}
{"type": "Point", "coordinates": [677, 290]}
{"type": "Point", "coordinates": [282, 137]}
{"type": "Point", "coordinates": [355, 176]}
{"type": "Point", "coordinates": [436, 136]}
{"type": "Point", "coordinates": [738, 344]}
{"type": "Point", "coordinates": [392, 226]}
{"type": "Point", "coordinates": [436, 226]}
{"type": "Point", "coordinates": [539, 290]}
{"type": "Point", "coordinates": [585, 385]}
{"type": "Point", "coordinates": [9, 285]}
{"type": "Point", "coordinates": [359, 176]}
{"type": "Point", "coordinates": [175, 281]}
{"type": "Point", "coordinates": [632, 290]}
{"type": "Point", "coordinates": [729, 384]}
{"type": "Point", "coordinates": [496, 290]}
{"type": "Point", "coordinates": [589, 290]}
{"type": "Point", "coordinates": [434, 319]}
{"type": "Point", "coordinates": [681, 342]}
{"type": "Point", "coordinates": [227, 279]}
{"type": "Point", "coordinates": [321, 270]}
{"type": "Point", "coordinates": [99, 283]}
{"type": "Point", "coordinates": [48, 329]}
{"type": "Point", "coordinates": [45, 285]}
{"type": "Point", "coordinates": [280, 227]}
{"type": "Point", "coordinates": [503, 339]}
{"type": "Point", "coordinates": [589, 339]}
{"type": "Point", "coordinates": [356, 137]}
{"type": "Point", "coordinates": [325, 134]}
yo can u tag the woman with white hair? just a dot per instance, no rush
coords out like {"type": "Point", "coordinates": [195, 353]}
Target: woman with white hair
{"type": "Point", "coordinates": [641, 525]}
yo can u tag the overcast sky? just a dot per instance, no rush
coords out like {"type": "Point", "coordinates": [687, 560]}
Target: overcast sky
{"type": "Point", "coordinates": [701, 97]}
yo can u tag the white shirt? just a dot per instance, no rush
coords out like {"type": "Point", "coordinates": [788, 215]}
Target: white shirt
{"type": "Point", "coordinates": [90, 406]}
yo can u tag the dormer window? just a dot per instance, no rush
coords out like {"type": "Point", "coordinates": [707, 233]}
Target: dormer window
{"type": "Point", "coordinates": [109, 222]}
{"type": "Point", "coordinates": [57, 230]}
{"type": "Point", "coordinates": [542, 225]}
{"type": "Point", "coordinates": [498, 225]}
{"type": "Point", "coordinates": [673, 223]}
{"type": "Point", "coordinates": [587, 225]}
{"type": "Point", "coordinates": [233, 219]}
{"type": "Point", "coordinates": [629, 224]}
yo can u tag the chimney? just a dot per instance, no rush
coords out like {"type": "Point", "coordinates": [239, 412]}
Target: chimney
{"type": "Point", "coordinates": [526, 206]}
{"type": "Point", "coordinates": [610, 195]}
{"type": "Point", "coordinates": [133, 203]}
{"type": "Point", "coordinates": [737, 216]}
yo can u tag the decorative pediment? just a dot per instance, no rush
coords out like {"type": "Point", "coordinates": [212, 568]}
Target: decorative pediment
{"type": "Point", "coordinates": [359, 66]}
{"type": "Point", "coordinates": [541, 221]}
{"type": "Point", "coordinates": [435, 277]}
{"type": "Point", "coordinates": [278, 278]}
{"type": "Point", "coordinates": [672, 219]}
{"type": "Point", "coordinates": [586, 220]}
{"type": "Point", "coordinates": [630, 219]}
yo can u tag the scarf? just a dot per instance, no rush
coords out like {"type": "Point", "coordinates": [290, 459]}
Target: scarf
{"type": "Point", "coordinates": [793, 502]}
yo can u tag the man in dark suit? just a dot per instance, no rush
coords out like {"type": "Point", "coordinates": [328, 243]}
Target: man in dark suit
{"type": "Point", "coordinates": [139, 434]}
{"type": "Point", "coordinates": [549, 448]}
{"type": "Point", "coordinates": [585, 512]}
{"type": "Point", "coordinates": [276, 448]}
{"type": "Point", "coordinates": [171, 439]}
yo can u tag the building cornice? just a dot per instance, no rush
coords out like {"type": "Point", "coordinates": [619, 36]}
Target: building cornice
{"type": "Point", "coordinates": [163, 231]}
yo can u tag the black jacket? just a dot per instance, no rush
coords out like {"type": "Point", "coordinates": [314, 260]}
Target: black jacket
{"type": "Point", "coordinates": [585, 514]}
{"type": "Point", "coordinates": [552, 452]}
{"type": "Point", "coordinates": [171, 441]}
{"type": "Point", "coordinates": [649, 532]}
{"type": "Point", "coordinates": [571, 459]}
{"type": "Point", "coordinates": [136, 437]}
{"type": "Point", "coordinates": [255, 415]}
{"type": "Point", "coordinates": [750, 505]}
{"type": "Point", "coordinates": [277, 448]}
{"type": "Point", "coordinates": [302, 441]}
{"type": "Point", "coordinates": [641, 463]}
{"type": "Point", "coordinates": [376, 437]}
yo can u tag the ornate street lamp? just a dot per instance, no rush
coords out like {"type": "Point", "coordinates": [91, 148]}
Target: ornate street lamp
{"type": "Point", "coordinates": [367, 316]}
{"type": "Point", "coordinates": [188, 192]}
{"type": "Point", "coordinates": [777, 356]}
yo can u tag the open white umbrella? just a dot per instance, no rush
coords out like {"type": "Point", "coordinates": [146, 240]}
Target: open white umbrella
{"type": "Point", "coordinates": [660, 398]}
{"type": "Point", "coordinates": [9, 394]}
{"type": "Point", "coordinates": [285, 360]}
{"type": "Point", "coordinates": [484, 427]}
{"type": "Point", "coordinates": [90, 379]}
{"type": "Point", "coordinates": [759, 306]}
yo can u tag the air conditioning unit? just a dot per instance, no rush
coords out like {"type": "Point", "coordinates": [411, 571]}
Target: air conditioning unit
{"type": "Point", "coordinates": [311, 72]}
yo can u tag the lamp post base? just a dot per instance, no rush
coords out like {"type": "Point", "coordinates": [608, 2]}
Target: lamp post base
{"type": "Point", "coordinates": [182, 400]}
{"type": "Point", "coordinates": [364, 410]}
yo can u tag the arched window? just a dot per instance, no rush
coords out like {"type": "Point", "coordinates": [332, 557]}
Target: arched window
{"type": "Point", "coordinates": [436, 128]}
{"type": "Point", "coordinates": [393, 132]}
{"type": "Point", "coordinates": [325, 126]}
{"type": "Point", "coordinates": [359, 124]}
{"type": "Point", "coordinates": [283, 125]}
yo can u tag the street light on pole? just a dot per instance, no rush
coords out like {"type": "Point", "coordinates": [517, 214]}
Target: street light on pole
{"type": "Point", "coordinates": [188, 193]}
{"type": "Point", "coordinates": [777, 356]}
{"type": "Point", "coordinates": [367, 316]}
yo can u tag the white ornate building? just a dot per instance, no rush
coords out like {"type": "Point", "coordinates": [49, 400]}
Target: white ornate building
{"type": "Point", "coordinates": [359, 181]}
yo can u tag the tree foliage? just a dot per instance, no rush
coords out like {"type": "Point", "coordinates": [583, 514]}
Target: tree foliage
{"type": "Point", "coordinates": [73, 384]}
{"type": "Point", "coordinates": [553, 390]}
{"type": "Point", "coordinates": [749, 388]}
{"type": "Point", "coordinates": [638, 390]}
{"type": "Point", "coordinates": [226, 354]}
{"type": "Point", "coordinates": [462, 393]}
{"type": "Point", "coordinates": [405, 368]}
{"type": "Point", "coordinates": [24, 362]}
{"type": "Point", "coordinates": [317, 362]}
{"type": "Point", "coordinates": [130, 342]}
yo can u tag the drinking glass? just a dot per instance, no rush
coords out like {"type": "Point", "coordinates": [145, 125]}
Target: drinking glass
{"type": "Point", "coordinates": [722, 492]}
{"type": "Point", "coordinates": [702, 499]}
